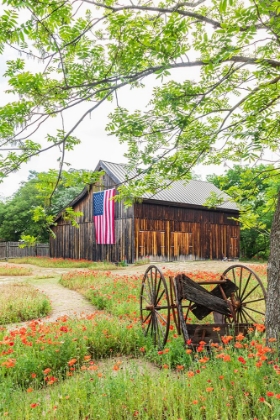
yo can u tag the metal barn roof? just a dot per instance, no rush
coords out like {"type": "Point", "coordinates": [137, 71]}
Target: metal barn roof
{"type": "Point", "coordinates": [184, 192]}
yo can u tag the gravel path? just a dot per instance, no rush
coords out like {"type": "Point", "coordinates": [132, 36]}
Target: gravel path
{"type": "Point", "coordinates": [69, 302]}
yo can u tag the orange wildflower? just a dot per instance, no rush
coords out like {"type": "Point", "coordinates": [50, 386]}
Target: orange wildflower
{"type": "Point", "coordinates": [239, 337]}
{"type": "Point", "coordinates": [204, 360]}
{"type": "Point", "coordinates": [33, 405]}
{"type": "Point", "coordinates": [10, 363]}
{"type": "Point", "coordinates": [29, 390]}
{"type": "Point", "coordinates": [209, 389]}
{"type": "Point", "coordinates": [270, 394]}
{"type": "Point", "coordinates": [72, 362]}
{"type": "Point", "coordinates": [190, 373]}
{"type": "Point", "coordinates": [259, 327]}
{"type": "Point", "coordinates": [46, 371]}
{"type": "Point", "coordinates": [226, 339]}
{"type": "Point", "coordinates": [238, 346]}
{"type": "Point", "coordinates": [92, 367]}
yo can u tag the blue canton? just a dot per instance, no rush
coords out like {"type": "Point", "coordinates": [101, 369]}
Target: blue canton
{"type": "Point", "coordinates": [98, 199]}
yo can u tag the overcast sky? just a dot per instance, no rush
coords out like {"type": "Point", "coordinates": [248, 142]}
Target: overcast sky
{"type": "Point", "coordinates": [95, 145]}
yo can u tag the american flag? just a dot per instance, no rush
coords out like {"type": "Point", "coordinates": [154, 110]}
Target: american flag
{"type": "Point", "coordinates": [104, 216]}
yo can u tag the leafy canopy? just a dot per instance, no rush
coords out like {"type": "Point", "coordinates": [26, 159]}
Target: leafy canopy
{"type": "Point", "coordinates": [255, 191]}
{"type": "Point", "coordinates": [217, 63]}
{"type": "Point", "coordinates": [32, 210]}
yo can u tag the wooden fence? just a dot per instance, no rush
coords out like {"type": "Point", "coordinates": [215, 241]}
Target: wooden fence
{"type": "Point", "coordinates": [12, 250]}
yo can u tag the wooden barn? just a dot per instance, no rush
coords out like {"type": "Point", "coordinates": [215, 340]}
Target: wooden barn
{"type": "Point", "coordinates": [172, 225]}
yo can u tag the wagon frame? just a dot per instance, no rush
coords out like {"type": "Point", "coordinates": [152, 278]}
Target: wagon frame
{"type": "Point", "coordinates": [233, 302]}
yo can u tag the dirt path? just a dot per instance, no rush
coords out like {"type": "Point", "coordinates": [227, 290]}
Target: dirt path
{"type": "Point", "coordinates": [69, 302]}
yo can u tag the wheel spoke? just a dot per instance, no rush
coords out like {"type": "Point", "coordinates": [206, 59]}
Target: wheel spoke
{"type": "Point", "coordinates": [159, 324]}
{"type": "Point", "coordinates": [240, 281]}
{"type": "Point", "coordinates": [150, 323]}
{"type": "Point", "coordinates": [143, 297]}
{"type": "Point", "coordinates": [154, 283]}
{"type": "Point", "coordinates": [160, 316]}
{"type": "Point", "coordinates": [248, 315]}
{"type": "Point", "coordinates": [253, 301]}
{"type": "Point", "coordinates": [251, 291]}
{"type": "Point", "coordinates": [145, 320]}
{"type": "Point", "coordinates": [245, 287]}
{"type": "Point", "coordinates": [150, 293]}
{"type": "Point", "coordinates": [234, 278]}
{"type": "Point", "coordinates": [254, 310]}
{"type": "Point", "coordinates": [162, 293]}
{"type": "Point", "coordinates": [151, 285]}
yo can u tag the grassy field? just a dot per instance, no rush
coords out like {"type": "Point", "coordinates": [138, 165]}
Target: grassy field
{"type": "Point", "coordinates": [102, 367]}
{"type": "Point", "coordinates": [63, 263]}
{"type": "Point", "coordinates": [22, 302]}
{"type": "Point", "coordinates": [10, 270]}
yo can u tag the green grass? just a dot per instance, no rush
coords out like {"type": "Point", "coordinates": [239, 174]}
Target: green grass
{"type": "Point", "coordinates": [64, 263]}
{"type": "Point", "coordinates": [8, 270]}
{"type": "Point", "coordinates": [102, 367]}
{"type": "Point", "coordinates": [22, 302]}
{"type": "Point", "coordinates": [118, 295]}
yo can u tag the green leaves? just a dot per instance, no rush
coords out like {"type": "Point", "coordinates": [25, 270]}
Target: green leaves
{"type": "Point", "coordinates": [255, 192]}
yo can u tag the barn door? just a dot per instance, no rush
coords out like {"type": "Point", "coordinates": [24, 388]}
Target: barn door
{"type": "Point", "coordinates": [151, 243]}
{"type": "Point", "coordinates": [181, 246]}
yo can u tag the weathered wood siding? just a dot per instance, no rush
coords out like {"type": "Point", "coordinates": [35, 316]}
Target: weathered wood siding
{"type": "Point", "coordinates": [157, 230]}
{"type": "Point", "coordinates": [13, 250]}
{"type": "Point", "coordinates": [79, 243]}
{"type": "Point", "coordinates": [171, 233]}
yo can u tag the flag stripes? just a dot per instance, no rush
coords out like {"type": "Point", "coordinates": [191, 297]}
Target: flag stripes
{"type": "Point", "coordinates": [104, 216]}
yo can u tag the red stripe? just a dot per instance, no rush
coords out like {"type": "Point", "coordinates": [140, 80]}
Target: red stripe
{"type": "Point", "coordinates": [105, 224]}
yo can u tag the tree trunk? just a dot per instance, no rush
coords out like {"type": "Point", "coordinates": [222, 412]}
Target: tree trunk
{"type": "Point", "coordinates": [273, 277]}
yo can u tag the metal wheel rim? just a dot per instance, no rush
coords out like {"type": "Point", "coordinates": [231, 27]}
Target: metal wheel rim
{"type": "Point", "coordinates": [155, 318]}
{"type": "Point", "coordinates": [243, 278]}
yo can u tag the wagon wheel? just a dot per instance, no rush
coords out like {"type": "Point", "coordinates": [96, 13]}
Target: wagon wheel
{"type": "Point", "coordinates": [184, 307]}
{"type": "Point", "coordinates": [155, 306]}
{"type": "Point", "coordinates": [249, 299]}
{"type": "Point", "coordinates": [173, 305]}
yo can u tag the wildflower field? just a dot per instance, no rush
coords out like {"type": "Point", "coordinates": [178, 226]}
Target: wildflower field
{"type": "Point", "coordinates": [64, 263]}
{"type": "Point", "coordinates": [102, 367]}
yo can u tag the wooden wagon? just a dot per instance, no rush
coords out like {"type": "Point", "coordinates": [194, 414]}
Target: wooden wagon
{"type": "Point", "coordinates": [237, 301]}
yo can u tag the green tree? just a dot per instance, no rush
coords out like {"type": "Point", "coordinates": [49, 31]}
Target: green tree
{"type": "Point", "coordinates": [255, 191]}
{"type": "Point", "coordinates": [17, 212]}
{"type": "Point", "coordinates": [227, 108]}
{"type": "Point", "coordinates": [36, 199]}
